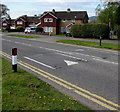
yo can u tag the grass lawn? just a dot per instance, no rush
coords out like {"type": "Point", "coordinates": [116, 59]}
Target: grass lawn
{"type": "Point", "coordinates": [91, 44]}
{"type": "Point", "coordinates": [24, 91]}
{"type": "Point", "coordinates": [61, 35]}
{"type": "Point", "coordinates": [24, 36]}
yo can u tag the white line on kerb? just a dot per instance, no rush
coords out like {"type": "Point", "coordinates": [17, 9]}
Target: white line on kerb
{"type": "Point", "coordinates": [39, 62]}
{"type": "Point", "coordinates": [105, 61]}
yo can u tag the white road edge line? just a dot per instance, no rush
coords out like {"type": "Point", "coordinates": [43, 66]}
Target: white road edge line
{"type": "Point", "coordinates": [39, 62]}
{"type": "Point", "coordinates": [105, 61]}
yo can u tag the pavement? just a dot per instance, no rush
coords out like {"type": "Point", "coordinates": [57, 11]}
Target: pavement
{"type": "Point", "coordinates": [87, 74]}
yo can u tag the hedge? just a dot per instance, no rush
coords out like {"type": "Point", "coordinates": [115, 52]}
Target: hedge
{"type": "Point", "coordinates": [39, 29]}
{"type": "Point", "coordinates": [93, 30]}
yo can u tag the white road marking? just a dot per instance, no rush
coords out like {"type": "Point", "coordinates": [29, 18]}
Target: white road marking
{"type": "Point", "coordinates": [7, 40]}
{"type": "Point", "coordinates": [39, 62]}
{"type": "Point", "coordinates": [69, 63]}
{"type": "Point", "coordinates": [17, 42]}
{"type": "Point", "coordinates": [79, 50]}
{"type": "Point", "coordinates": [72, 57]}
{"type": "Point", "coordinates": [106, 61]}
{"type": "Point", "coordinates": [70, 53]}
{"type": "Point", "coordinates": [87, 55]}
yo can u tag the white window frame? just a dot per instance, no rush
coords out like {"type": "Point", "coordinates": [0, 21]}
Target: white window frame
{"type": "Point", "coordinates": [73, 20]}
{"type": "Point", "coordinates": [4, 24]}
{"type": "Point", "coordinates": [48, 20]}
{"type": "Point", "coordinates": [64, 20]}
{"type": "Point", "coordinates": [19, 22]}
{"type": "Point", "coordinates": [48, 29]}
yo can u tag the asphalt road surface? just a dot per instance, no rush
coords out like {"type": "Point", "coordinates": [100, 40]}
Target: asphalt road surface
{"type": "Point", "coordinates": [89, 75]}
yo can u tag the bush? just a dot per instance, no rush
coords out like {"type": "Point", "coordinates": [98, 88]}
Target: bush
{"type": "Point", "coordinates": [19, 29]}
{"type": "Point", "coordinates": [39, 29]}
{"type": "Point", "coordinates": [93, 30]}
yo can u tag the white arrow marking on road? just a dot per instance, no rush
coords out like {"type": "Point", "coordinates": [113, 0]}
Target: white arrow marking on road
{"type": "Point", "coordinates": [69, 63]}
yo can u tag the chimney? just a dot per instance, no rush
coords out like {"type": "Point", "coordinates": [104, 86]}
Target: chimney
{"type": "Point", "coordinates": [53, 11]}
{"type": "Point", "coordinates": [68, 10]}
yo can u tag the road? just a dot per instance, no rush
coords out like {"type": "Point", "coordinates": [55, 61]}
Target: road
{"type": "Point", "coordinates": [89, 75]}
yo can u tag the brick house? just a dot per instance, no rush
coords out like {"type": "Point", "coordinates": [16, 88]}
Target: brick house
{"type": "Point", "coordinates": [6, 24]}
{"type": "Point", "coordinates": [57, 22]}
{"type": "Point", "coordinates": [27, 21]}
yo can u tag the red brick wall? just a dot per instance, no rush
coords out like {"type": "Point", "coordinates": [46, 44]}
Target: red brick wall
{"type": "Point", "coordinates": [48, 24]}
{"type": "Point", "coordinates": [23, 23]}
{"type": "Point", "coordinates": [7, 26]}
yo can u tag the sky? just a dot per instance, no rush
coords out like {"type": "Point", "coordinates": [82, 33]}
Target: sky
{"type": "Point", "coordinates": [30, 8]}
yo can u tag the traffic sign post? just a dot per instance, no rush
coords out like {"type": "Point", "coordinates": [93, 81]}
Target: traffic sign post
{"type": "Point", "coordinates": [14, 59]}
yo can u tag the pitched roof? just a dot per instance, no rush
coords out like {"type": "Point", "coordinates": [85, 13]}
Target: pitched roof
{"type": "Point", "coordinates": [33, 19]}
{"type": "Point", "coordinates": [29, 19]}
{"type": "Point", "coordinates": [67, 15]}
{"type": "Point", "coordinates": [71, 15]}
{"type": "Point", "coordinates": [48, 13]}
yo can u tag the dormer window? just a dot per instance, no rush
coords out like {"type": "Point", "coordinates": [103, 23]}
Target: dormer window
{"type": "Point", "coordinates": [64, 20]}
{"type": "Point", "coordinates": [48, 19]}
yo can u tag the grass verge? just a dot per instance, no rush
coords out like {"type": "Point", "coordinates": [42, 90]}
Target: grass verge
{"type": "Point", "coordinates": [60, 35]}
{"type": "Point", "coordinates": [92, 44]}
{"type": "Point", "coordinates": [24, 36]}
{"type": "Point", "coordinates": [24, 91]}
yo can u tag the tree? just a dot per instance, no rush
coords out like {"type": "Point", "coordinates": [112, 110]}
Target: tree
{"type": "Point", "coordinates": [107, 13]}
{"type": "Point", "coordinates": [4, 12]}
{"type": "Point", "coordinates": [117, 16]}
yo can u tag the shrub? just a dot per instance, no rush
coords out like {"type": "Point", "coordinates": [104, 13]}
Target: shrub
{"type": "Point", "coordinates": [39, 29]}
{"type": "Point", "coordinates": [93, 30]}
{"type": "Point", "coordinates": [19, 29]}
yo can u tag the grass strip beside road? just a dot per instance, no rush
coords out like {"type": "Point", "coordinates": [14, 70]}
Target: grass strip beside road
{"type": "Point", "coordinates": [24, 91]}
{"type": "Point", "coordinates": [91, 44]}
{"type": "Point", "coordinates": [24, 36]}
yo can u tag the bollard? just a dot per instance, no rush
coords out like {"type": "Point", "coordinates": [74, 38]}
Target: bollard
{"type": "Point", "coordinates": [14, 59]}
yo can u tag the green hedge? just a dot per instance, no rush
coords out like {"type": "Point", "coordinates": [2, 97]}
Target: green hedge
{"type": "Point", "coordinates": [90, 30]}
{"type": "Point", "coordinates": [39, 29]}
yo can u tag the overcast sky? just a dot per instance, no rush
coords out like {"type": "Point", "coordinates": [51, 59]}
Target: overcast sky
{"type": "Point", "coordinates": [23, 7]}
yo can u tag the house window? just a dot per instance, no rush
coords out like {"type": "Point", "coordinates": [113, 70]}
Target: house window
{"type": "Point", "coordinates": [19, 22]}
{"type": "Point", "coordinates": [4, 24]}
{"type": "Point", "coordinates": [63, 29]}
{"type": "Point", "coordinates": [64, 20]}
{"type": "Point", "coordinates": [48, 19]}
{"type": "Point", "coordinates": [73, 20]}
{"type": "Point", "coordinates": [48, 29]}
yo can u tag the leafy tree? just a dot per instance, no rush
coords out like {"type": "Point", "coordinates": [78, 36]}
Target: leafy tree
{"type": "Point", "coordinates": [4, 12]}
{"type": "Point", "coordinates": [117, 16]}
{"type": "Point", "coordinates": [107, 13]}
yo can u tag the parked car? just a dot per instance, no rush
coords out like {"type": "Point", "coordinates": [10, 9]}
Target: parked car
{"type": "Point", "coordinates": [30, 29]}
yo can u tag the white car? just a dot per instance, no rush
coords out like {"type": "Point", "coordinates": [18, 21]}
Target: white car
{"type": "Point", "coordinates": [30, 29]}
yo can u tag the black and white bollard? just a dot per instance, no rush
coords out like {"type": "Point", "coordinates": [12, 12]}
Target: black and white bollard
{"type": "Point", "coordinates": [14, 59]}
